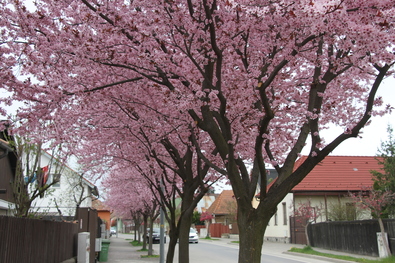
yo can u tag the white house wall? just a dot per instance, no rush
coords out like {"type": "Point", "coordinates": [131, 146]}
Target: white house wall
{"type": "Point", "coordinates": [6, 208]}
{"type": "Point", "coordinates": [315, 201]}
{"type": "Point", "coordinates": [327, 203]}
{"type": "Point", "coordinates": [205, 203]}
{"type": "Point", "coordinates": [65, 194]}
{"type": "Point", "coordinates": [278, 229]}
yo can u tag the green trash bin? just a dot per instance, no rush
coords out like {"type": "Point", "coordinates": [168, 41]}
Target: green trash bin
{"type": "Point", "coordinates": [103, 255]}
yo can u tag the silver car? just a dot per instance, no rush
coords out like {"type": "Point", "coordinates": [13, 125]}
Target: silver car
{"type": "Point", "coordinates": [193, 236]}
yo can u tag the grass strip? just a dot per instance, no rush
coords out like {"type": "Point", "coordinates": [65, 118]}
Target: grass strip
{"type": "Point", "coordinates": [151, 256]}
{"type": "Point", "coordinates": [310, 251]}
{"type": "Point", "coordinates": [209, 238]}
{"type": "Point", "coordinates": [136, 243]}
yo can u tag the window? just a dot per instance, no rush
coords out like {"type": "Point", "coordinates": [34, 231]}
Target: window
{"type": "Point", "coordinates": [275, 219]}
{"type": "Point", "coordinates": [53, 177]}
{"type": "Point", "coordinates": [351, 212]}
{"type": "Point", "coordinates": [285, 219]}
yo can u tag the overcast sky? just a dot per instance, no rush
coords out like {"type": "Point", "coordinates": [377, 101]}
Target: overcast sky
{"type": "Point", "coordinates": [375, 133]}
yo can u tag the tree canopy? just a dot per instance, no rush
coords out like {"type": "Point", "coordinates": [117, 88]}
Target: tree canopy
{"type": "Point", "coordinates": [233, 83]}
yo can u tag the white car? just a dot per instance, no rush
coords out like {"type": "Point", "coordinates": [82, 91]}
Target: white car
{"type": "Point", "coordinates": [193, 236]}
{"type": "Point", "coordinates": [113, 231]}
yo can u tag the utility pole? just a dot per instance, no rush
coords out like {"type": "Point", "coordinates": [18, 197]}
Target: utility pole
{"type": "Point", "coordinates": [162, 230]}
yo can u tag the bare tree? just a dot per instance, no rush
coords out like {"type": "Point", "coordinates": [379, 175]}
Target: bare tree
{"type": "Point", "coordinates": [32, 179]}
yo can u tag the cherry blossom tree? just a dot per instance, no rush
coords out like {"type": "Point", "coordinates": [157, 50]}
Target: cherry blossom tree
{"type": "Point", "coordinates": [376, 201]}
{"type": "Point", "coordinates": [206, 217]}
{"type": "Point", "coordinates": [166, 184]}
{"type": "Point", "coordinates": [305, 214]}
{"type": "Point", "coordinates": [128, 197]}
{"type": "Point", "coordinates": [239, 83]}
{"type": "Point", "coordinates": [137, 220]}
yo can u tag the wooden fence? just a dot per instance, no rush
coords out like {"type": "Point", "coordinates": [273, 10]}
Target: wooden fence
{"type": "Point", "coordinates": [32, 240]}
{"type": "Point", "coordinates": [88, 221]}
{"type": "Point", "coordinates": [198, 227]}
{"type": "Point", "coordinates": [358, 237]}
{"type": "Point", "coordinates": [218, 229]}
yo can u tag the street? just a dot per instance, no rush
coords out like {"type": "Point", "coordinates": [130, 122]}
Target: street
{"type": "Point", "coordinates": [211, 252]}
{"type": "Point", "coordinates": [215, 251]}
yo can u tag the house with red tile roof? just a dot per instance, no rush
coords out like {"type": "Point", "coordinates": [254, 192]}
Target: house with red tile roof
{"type": "Point", "coordinates": [326, 188]}
{"type": "Point", "coordinates": [338, 173]}
{"type": "Point", "coordinates": [224, 210]}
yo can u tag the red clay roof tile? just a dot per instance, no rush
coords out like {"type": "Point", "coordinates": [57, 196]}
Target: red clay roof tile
{"type": "Point", "coordinates": [223, 203]}
{"type": "Point", "coordinates": [339, 173]}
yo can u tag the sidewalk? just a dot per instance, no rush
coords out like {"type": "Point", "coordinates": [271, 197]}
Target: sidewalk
{"type": "Point", "coordinates": [121, 251]}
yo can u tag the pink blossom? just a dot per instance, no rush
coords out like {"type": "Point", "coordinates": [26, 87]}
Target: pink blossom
{"type": "Point", "coordinates": [143, 85]}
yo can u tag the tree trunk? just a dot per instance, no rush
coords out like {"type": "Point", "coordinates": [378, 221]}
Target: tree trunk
{"type": "Point", "coordinates": [306, 233]}
{"type": "Point", "coordinates": [185, 224]}
{"type": "Point", "coordinates": [150, 249]}
{"type": "Point", "coordinates": [208, 228]}
{"type": "Point", "coordinates": [180, 231]}
{"type": "Point", "coordinates": [137, 222]}
{"type": "Point", "coordinates": [22, 209]}
{"type": "Point", "coordinates": [145, 218]}
{"type": "Point", "coordinates": [139, 233]}
{"type": "Point", "coordinates": [173, 236]}
{"type": "Point", "coordinates": [251, 230]}
{"type": "Point", "coordinates": [384, 239]}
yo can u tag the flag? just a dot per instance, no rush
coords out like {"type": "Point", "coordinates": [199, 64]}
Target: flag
{"type": "Point", "coordinates": [45, 171]}
{"type": "Point", "coordinates": [30, 179]}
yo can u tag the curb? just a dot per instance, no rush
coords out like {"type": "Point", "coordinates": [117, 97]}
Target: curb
{"type": "Point", "coordinates": [335, 260]}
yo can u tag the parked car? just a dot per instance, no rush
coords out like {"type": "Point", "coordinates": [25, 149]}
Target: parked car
{"type": "Point", "coordinates": [155, 235]}
{"type": "Point", "coordinates": [113, 231]}
{"type": "Point", "coordinates": [193, 236]}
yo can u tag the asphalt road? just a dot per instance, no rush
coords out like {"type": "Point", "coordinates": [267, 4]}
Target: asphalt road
{"type": "Point", "coordinates": [219, 252]}
{"type": "Point", "coordinates": [214, 253]}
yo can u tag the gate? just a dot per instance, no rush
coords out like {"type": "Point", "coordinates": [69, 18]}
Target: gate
{"type": "Point", "coordinates": [217, 229]}
{"type": "Point", "coordinates": [298, 235]}
{"type": "Point", "coordinates": [88, 222]}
